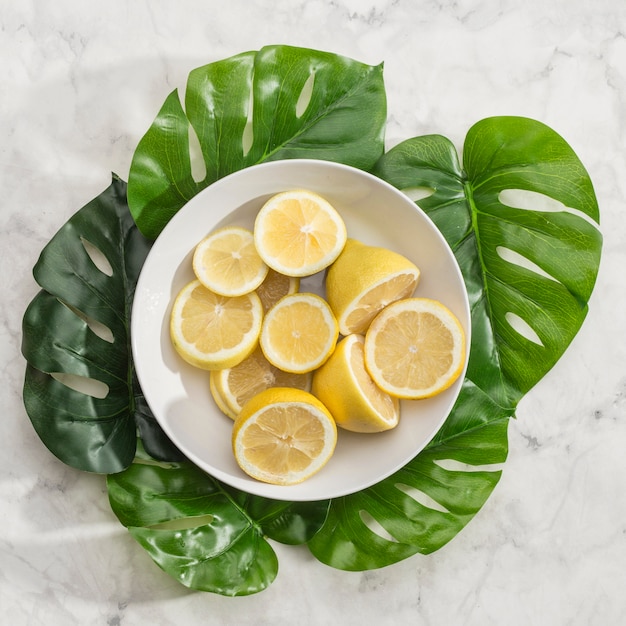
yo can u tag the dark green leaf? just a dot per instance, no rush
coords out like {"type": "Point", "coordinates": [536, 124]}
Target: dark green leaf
{"type": "Point", "coordinates": [79, 390]}
{"type": "Point", "coordinates": [206, 536]}
{"type": "Point", "coordinates": [517, 257]}
{"type": "Point", "coordinates": [279, 103]}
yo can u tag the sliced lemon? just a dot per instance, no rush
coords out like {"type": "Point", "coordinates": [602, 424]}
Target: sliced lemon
{"type": "Point", "coordinates": [299, 333]}
{"type": "Point", "coordinates": [364, 280]}
{"type": "Point", "coordinates": [299, 233]}
{"type": "Point", "coordinates": [236, 385]}
{"type": "Point", "coordinates": [212, 331]}
{"type": "Point", "coordinates": [275, 286]}
{"type": "Point", "coordinates": [218, 396]}
{"type": "Point", "coordinates": [415, 348]}
{"type": "Point", "coordinates": [283, 436]}
{"type": "Point", "coordinates": [347, 390]}
{"type": "Point", "coordinates": [227, 262]}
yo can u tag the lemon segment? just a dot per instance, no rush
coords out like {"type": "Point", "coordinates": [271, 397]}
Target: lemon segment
{"type": "Point", "coordinates": [283, 436]}
{"type": "Point", "coordinates": [299, 233]}
{"type": "Point", "coordinates": [363, 280]}
{"type": "Point", "coordinates": [299, 333]}
{"type": "Point", "coordinates": [275, 286]}
{"type": "Point", "coordinates": [227, 262]}
{"type": "Point", "coordinates": [211, 331]}
{"type": "Point", "coordinates": [236, 385]}
{"type": "Point", "coordinates": [415, 348]}
{"type": "Point", "coordinates": [345, 387]}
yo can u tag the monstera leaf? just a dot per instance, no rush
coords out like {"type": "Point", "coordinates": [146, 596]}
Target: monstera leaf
{"type": "Point", "coordinates": [279, 103]}
{"type": "Point", "coordinates": [521, 217]}
{"type": "Point", "coordinates": [207, 536]}
{"type": "Point", "coordinates": [79, 391]}
{"type": "Point", "coordinates": [520, 214]}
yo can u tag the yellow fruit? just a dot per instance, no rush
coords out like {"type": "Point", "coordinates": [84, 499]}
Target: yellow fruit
{"type": "Point", "coordinates": [227, 262]}
{"type": "Point", "coordinates": [212, 331]}
{"type": "Point", "coordinates": [415, 348]}
{"type": "Point", "coordinates": [275, 286]}
{"type": "Point", "coordinates": [363, 280]}
{"type": "Point", "coordinates": [236, 385]}
{"type": "Point", "coordinates": [283, 436]}
{"type": "Point", "coordinates": [218, 396]}
{"type": "Point", "coordinates": [347, 390]}
{"type": "Point", "coordinates": [299, 333]}
{"type": "Point", "coordinates": [299, 233]}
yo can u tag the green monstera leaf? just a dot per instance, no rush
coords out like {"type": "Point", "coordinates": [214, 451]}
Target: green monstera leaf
{"type": "Point", "coordinates": [203, 534]}
{"type": "Point", "coordinates": [522, 218]}
{"type": "Point", "coordinates": [278, 103]}
{"type": "Point", "coordinates": [79, 390]}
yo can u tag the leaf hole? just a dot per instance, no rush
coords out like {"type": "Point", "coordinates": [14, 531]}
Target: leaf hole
{"type": "Point", "coordinates": [375, 526]}
{"type": "Point", "coordinates": [247, 139]}
{"type": "Point", "coordinates": [418, 193]}
{"type": "Point", "coordinates": [536, 201]}
{"type": "Point", "coordinates": [304, 99]}
{"type": "Point", "coordinates": [452, 465]}
{"type": "Point", "coordinates": [97, 328]}
{"type": "Point", "coordinates": [421, 498]}
{"type": "Point", "coordinates": [522, 327]}
{"type": "Point", "coordinates": [510, 256]}
{"type": "Point", "coordinates": [82, 384]}
{"type": "Point", "coordinates": [97, 257]}
{"type": "Point", "coordinates": [184, 523]}
{"type": "Point", "coordinates": [196, 158]}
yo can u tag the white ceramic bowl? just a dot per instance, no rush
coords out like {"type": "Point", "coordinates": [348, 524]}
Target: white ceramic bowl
{"type": "Point", "coordinates": [178, 393]}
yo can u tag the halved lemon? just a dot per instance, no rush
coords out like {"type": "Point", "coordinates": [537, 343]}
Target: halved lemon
{"type": "Point", "coordinates": [226, 261]}
{"type": "Point", "coordinates": [275, 286]}
{"type": "Point", "coordinates": [212, 331]}
{"type": "Point", "coordinates": [234, 386]}
{"type": "Point", "coordinates": [283, 436]}
{"type": "Point", "coordinates": [415, 348]}
{"type": "Point", "coordinates": [364, 280]}
{"type": "Point", "coordinates": [299, 233]}
{"type": "Point", "coordinates": [299, 333]}
{"type": "Point", "coordinates": [347, 390]}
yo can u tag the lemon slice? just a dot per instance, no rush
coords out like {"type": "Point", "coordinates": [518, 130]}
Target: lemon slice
{"type": "Point", "coordinates": [299, 233]}
{"type": "Point", "coordinates": [283, 436]}
{"type": "Point", "coordinates": [299, 333]}
{"type": "Point", "coordinates": [234, 386]}
{"type": "Point", "coordinates": [365, 279]}
{"type": "Point", "coordinates": [227, 262]}
{"type": "Point", "coordinates": [415, 348]}
{"type": "Point", "coordinates": [218, 396]}
{"type": "Point", "coordinates": [212, 331]}
{"type": "Point", "coordinates": [275, 286]}
{"type": "Point", "coordinates": [347, 390]}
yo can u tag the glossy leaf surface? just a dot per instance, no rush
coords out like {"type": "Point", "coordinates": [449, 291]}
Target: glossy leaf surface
{"type": "Point", "coordinates": [204, 535]}
{"type": "Point", "coordinates": [79, 391]}
{"type": "Point", "coordinates": [521, 218]}
{"type": "Point", "coordinates": [278, 103]}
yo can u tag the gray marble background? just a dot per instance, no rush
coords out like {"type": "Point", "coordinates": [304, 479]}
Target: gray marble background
{"type": "Point", "coordinates": [80, 84]}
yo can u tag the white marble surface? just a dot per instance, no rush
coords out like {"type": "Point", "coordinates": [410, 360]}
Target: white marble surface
{"type": "Point", "coordinates": [81, 82]}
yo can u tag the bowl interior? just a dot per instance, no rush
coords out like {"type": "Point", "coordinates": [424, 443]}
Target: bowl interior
{"type": "Point", "coordinates": [178, 393]}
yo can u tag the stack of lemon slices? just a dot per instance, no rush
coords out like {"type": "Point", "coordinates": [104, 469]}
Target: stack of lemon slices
{"type": "Point", "coordinates": [288, 366]}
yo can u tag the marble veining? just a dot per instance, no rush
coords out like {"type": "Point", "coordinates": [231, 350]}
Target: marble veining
{"type": "Point", "coordinates": [81, 83]}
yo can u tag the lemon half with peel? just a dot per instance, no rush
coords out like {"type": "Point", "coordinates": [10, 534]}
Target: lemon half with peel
{"type": "Point", "coordinates": [415, 348]}
{"type": "Point", "coordinates": [299, 333]}
{"type": "Point", "coordinates": [283, 436]}
{"type": "Point", "coordinates": [365, 279]}
{"type": "Point", "coordinates": [234, 386]}
{"type": "Point", "coordinates": [345, 387]}
{"type": "Point", "coordinates": [211, 331]}
{"type": "Point", "coordinates": [299, 233]}
{"type": "Point", "coordinates": [227, 262]}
